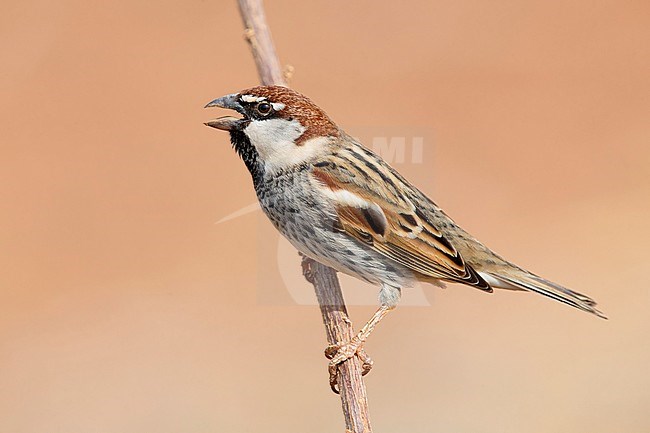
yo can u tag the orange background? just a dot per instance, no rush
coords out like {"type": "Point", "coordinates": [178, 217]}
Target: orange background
{"type": "Point", "coordinates": [125, 308]}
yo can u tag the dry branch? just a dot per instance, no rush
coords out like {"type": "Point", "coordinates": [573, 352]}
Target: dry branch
{"type": "Point", "coordinates": [328, 290]}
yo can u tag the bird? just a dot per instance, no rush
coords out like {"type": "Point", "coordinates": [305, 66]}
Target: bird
{"type": "Point", "coordinates": [339, 203]}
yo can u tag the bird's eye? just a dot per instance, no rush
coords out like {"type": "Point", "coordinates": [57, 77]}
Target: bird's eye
{"type": "Point", "coordinates": [264, 108]}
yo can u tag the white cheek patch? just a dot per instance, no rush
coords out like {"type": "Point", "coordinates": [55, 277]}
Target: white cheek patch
{"type": "Point", "coordinates": [275, 142]}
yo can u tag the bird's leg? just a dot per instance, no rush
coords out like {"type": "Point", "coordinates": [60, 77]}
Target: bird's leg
{"type": "Point", "coordinates": [339, 353]}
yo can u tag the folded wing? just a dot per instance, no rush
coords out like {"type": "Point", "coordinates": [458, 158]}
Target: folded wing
{"type": "Point", "coordinates": [389, 223]}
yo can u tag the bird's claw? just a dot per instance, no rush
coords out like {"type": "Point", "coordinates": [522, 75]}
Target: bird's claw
{"type": "Point", "coordinates": [339, 353]}
{"type": "Point", "coordinates": [366, 361]}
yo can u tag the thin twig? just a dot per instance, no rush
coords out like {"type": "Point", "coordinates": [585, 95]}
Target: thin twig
{"type": "Point", "coordinates": [328, 290]}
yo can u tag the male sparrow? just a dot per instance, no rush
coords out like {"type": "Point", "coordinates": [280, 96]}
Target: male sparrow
{"type": "Point", "coordinates": [342, 205]}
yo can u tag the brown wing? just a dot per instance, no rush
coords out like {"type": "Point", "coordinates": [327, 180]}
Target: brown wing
{"type": "Point", "coordinates": [390, 223]}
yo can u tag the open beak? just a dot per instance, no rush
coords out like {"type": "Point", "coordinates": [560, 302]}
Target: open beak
{"type": "Point", "coordinates": [228, 123]}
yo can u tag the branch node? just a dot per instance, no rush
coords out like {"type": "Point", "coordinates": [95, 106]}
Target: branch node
{"type": "Point", "coordinates": [288, 73]}
{"type": "Point", "coordinates": [249, 35]}
{"type": "Point", "coordinates": [306, 264]}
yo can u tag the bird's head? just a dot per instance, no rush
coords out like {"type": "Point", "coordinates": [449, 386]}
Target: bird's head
{"type": "Point", "coordinates": [279, 128]}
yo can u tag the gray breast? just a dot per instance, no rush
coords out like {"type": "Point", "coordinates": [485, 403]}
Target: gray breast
{"type": "Point", "coordinates": [308, 221]}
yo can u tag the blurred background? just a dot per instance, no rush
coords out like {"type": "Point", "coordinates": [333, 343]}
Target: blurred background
{"type": "Point", "coordinates": [125, 308]}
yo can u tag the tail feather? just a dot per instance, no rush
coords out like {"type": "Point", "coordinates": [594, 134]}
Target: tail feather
{"type": "Point", "coordinates": [524, 280]}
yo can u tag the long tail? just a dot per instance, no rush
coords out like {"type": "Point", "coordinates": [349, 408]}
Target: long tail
{"type": "Point", "coordinates": [521, 279]}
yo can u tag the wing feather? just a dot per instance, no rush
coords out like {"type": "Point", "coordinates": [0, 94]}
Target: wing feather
{"type": "Point", "coordinates": [391, 224]}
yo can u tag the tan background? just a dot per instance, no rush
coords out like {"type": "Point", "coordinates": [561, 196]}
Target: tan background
{"type": "Point", "coordinates": [124, 308]}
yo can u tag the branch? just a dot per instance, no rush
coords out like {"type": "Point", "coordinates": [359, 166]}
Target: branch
{"type": "Point", "coordinates": [328, 290]}
{"type": "Point", "coordinates": [258, 35]}
{"type": "Point", "coordinates": [339, 328]}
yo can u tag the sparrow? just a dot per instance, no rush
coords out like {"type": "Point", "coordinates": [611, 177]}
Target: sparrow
{"type": "Point", "coordinates": [342, 205]}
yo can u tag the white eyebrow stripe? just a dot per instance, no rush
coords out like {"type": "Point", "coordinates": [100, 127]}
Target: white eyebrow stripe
{"type": "Point", "coordinates": [277, 106]}
{"type": "Point", "coordinates": [252, 98]}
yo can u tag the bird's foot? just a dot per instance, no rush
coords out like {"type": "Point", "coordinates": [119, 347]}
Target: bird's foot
{"type": "Point", "coordinates": [339, 353]}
